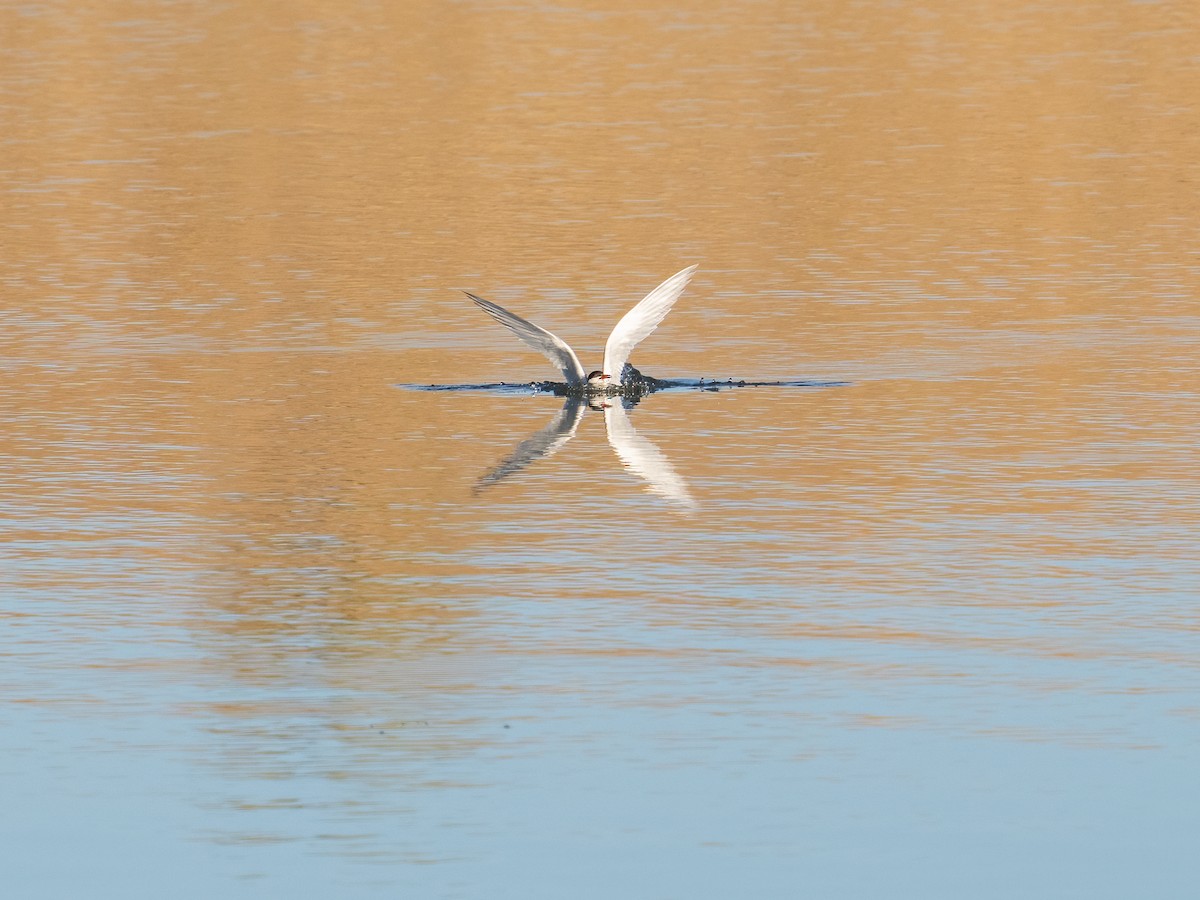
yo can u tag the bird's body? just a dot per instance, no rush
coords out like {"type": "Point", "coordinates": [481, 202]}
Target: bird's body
{"type": "Point", "coordinates": [617, 376]}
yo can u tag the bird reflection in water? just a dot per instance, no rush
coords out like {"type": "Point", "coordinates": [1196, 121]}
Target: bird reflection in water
{"type": "Point", "coordinates": [638, 454]}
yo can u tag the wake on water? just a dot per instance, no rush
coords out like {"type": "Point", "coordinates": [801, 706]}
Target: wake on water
{"type": "Point", "coordinates": [637, 389]}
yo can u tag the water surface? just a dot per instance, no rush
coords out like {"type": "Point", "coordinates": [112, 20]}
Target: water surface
{"type": "Point", "coordinates": [925, 627]}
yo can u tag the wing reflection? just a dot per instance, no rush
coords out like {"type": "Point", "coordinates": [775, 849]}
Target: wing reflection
{"type": "Point", "coordinates": [639, 455]}
{"type": "Point", "coordinates": [544, 443]}
{"type": "Point", "coordinates": [644, 459]}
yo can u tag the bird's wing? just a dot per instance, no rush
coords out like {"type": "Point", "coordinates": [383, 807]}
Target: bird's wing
{"type": "Point", "coordinates": [554, 348]}
{"type": "Point", "coordinates": [637, 324]}
{"type": "Point", "coordinates": [644, 459]}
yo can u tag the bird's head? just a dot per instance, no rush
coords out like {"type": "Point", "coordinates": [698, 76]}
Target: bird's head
{"type": "Point", "coordinates": [598, 378]}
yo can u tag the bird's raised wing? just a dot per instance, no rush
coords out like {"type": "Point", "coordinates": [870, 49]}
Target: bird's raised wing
{"type": "Point", "coordinates": [554, 348]}
{"type": "Point", "coordinates": [637, 324]}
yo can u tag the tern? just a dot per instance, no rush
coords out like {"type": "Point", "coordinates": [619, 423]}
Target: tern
{"type": "Point", "coordinates": [617, 376]}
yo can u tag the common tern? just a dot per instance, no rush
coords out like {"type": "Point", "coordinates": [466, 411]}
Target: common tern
{"type": "Point", "coordinates": [637, 324]}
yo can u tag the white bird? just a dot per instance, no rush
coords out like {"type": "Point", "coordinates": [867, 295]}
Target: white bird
{"type": "Point", "coordinates": [634, 327]}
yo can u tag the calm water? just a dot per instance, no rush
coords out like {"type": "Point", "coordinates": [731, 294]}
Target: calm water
{"type": "Point", "coordinates": [927, 627]}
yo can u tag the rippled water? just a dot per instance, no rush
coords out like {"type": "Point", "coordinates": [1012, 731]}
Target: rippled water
{"type": "Point", "coordinates": [921, 622]}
